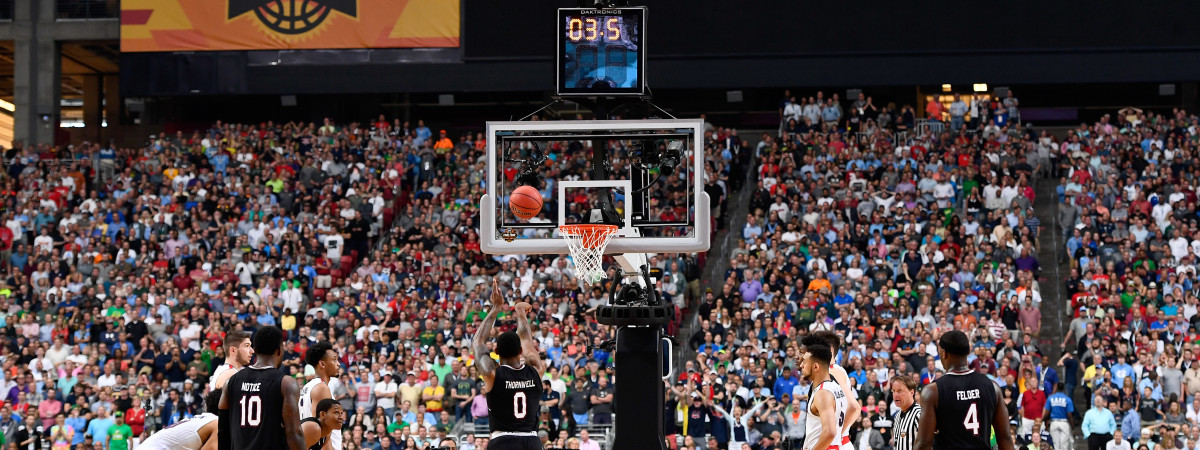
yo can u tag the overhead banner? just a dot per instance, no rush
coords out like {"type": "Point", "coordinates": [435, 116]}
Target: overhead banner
{"type": "Point", "coordinates": [199, 25]}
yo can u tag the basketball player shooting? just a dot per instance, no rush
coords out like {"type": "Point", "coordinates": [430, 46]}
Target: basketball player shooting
{"type": "Point", "coordinates": [260, 405]}
{"type": "Point", "coordinates": [513, 387]}
{"type": "Point", "coordinates": [958, 408]}
{"type": "Point", "coordinates": [827, 410]}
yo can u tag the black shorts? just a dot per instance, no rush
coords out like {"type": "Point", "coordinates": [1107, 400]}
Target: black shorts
{"type": "Point", "coordinates": [515, 443]}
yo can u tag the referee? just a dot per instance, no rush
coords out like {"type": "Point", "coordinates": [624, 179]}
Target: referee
{"type": "Point", "coordinates": [904, 425]}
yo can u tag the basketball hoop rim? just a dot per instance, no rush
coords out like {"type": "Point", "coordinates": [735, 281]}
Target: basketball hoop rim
{"type": "Point", "coordinates": [582, 229]}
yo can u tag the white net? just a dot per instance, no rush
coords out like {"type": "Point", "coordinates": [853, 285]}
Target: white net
{"type": "Point", "coordinates": [587, 243]}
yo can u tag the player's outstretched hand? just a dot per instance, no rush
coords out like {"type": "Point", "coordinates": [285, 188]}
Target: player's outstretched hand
{"type": "Point", "coordinates": [497, 297]}
{"type": "Point", "coordinates": [522, 308]}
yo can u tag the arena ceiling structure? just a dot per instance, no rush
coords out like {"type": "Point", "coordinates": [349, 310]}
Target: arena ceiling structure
{"type": "Point", "coordinates": [509, 47]}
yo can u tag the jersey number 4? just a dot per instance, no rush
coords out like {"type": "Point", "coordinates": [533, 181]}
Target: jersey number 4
{"type": "Point", "coordinates": [520, 405]}
{"type": "Point", "coordinates": [252, 410]}
{"type": "Point", "coordinates": [971, 422]}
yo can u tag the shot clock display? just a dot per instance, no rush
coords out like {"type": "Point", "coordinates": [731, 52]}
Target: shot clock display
{"type": "Point", "coordinates": [601, 51]}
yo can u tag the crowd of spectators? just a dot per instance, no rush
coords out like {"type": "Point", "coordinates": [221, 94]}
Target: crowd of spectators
{"type": "Point", "coordinates": [1127, 196]}
{"type": "Point", "coordinates": [125, 267]}
{"type": "Point", "coordinates": [887, 230]}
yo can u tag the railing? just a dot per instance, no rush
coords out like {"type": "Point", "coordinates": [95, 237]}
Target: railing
{"type": "Point", "coordinates": [6, 10]}
{"type": "Point", "coordinates": [86, 9]}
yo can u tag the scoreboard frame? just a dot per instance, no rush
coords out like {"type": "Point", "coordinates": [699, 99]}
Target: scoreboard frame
{"type": "Point", "coordinates": [600, 24]}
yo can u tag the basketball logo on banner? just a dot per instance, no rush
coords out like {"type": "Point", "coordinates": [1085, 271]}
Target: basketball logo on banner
{"type": "Point", "coordinates": [292, 17]}
{"type": "Point", "coordinates": [199, 25]}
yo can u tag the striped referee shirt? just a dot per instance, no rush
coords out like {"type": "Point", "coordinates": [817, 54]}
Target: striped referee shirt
{"type": "Point", "coordinates": [904, 427]}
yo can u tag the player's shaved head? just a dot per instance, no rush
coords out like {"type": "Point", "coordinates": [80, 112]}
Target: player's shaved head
{"type": "Point", "coordinates": [268, 340]}
{"type": "Point", "coordinates": [955, 343]}
{"type": "Point", "coordinates": [508, 345]}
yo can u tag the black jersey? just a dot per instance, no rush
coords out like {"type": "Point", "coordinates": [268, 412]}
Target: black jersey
{"type": "Point", "coordinates": [320, 443]}
{"type": "Point", "coordinates": [255, 404]}
{"type": "Point", "coordinates": [513, 401]}
{"type": "Point", "coordinates": [965, 408]}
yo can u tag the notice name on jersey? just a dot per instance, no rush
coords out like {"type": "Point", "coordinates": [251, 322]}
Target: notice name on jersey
{"type": "Point", "coordinates": [972, 394]}
{"type": "Point", "coordinates": [522, 384]}
{"type": "Point", "coordinates": [838, 393]}
{"type": "Point", "coordinates": [1060, 402]}
{"type": "Point", "coordinates": [251, 387]}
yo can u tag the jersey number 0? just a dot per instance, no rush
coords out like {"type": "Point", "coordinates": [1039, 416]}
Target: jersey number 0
{"type": "Point", "coordinates": [519, 405]}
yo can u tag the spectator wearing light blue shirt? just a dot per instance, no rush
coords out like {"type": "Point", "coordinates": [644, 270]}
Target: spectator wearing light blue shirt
{"type": "Point", "coordinates": [1098, 424]}
{"type": "Point", "coordinates": [266, 319]}
{"type": "Point", "coordinates": [423, 133]}
{"type": "Point", "coordinates": [830, 113]}
{"type": "Point", "coordinates": [220, 162]}
{"type": "Point", "coordinates": [1148, 382]}
{"type": "Point", "coordinates": [958, 111]}
{"type": "Point", "coordinates": [98, 428]}
{"type": "Point", "coordinates": [1120, 371]}
{"type": "Point", "coordinates": [1131, 421]}
{"type": "Point", "coordinates": [752, 230]}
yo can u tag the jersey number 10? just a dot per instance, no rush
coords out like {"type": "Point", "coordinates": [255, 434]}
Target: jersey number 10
{"type": "Point", "coordinates": [251, 410]}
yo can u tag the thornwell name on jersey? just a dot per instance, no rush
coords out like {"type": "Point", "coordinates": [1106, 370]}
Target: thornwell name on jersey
{"type": "Point", "coordinates": [522, 384]}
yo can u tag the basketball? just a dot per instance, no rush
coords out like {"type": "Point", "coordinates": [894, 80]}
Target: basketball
{"type": "Point", "coordinates": [525, 202]}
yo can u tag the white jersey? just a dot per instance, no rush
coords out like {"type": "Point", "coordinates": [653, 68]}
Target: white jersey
{"type": "Point", "coordinates": [307, 406]}
{"type": "Point", "coordinates": [812, 424]}
{"type": "Point", "coordinates": [184, 435]}
{"type": "Point", "coordinates": [846, 443]}
{"type": "Point", "coordinates": [212, 381]}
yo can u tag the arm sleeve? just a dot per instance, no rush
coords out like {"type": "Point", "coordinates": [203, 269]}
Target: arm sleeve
{"type": "Point", "coordinates": [224, 434]}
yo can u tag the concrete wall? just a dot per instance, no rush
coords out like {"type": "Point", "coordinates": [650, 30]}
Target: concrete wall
{"type": "Point", "coordinates": [37, 79]}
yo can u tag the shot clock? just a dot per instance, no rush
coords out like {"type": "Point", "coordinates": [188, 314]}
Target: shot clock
{"type": "Point", "coordinates": [601, 52]}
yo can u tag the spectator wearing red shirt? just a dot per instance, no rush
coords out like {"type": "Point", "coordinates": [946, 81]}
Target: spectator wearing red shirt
{"type": "Point", "coordinates": [135, 417]}
{"type": "Point", "coordinates": [182, 281]}
{"type": "Point", "coordinates": [1033, 401]}
{"type": "Point", "coordinates": [933, 111]}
